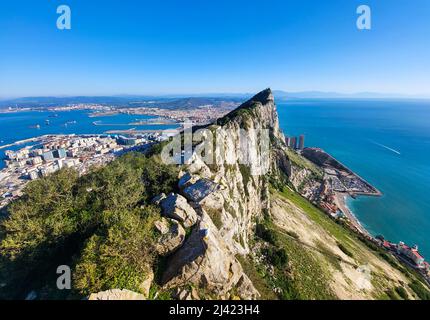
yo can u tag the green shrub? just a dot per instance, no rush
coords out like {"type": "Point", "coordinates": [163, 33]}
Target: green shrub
{"type": "Point", "coordinates": [422, 292]}
{"type": "Point", "coordinates": [345, 250]}
{"type": "Point", "coordinates": [402, 293]}
{"type": "Point", "coordinates": [277, 257]}
{"type": "Point", "coordinates": [392, 294]}
{"type": "Point", "coordinates": [215, 216]}
{"type": "Point", "coordinates": [266, 234]}
{"type": "Point", "coordinates": [122, 256]}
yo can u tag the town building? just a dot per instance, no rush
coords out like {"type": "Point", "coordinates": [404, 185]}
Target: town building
{"type": "Point", "coordinates": [55, 152]}
{"type": "Point", "coordinates": [411, 253]}
{"type": "Point", "coordinates": [59, 153]}
{"type": "Point", "coordinates": [296, 143]}
{"type": "Point", "coordinates": [293, 143]}
{"type": "Point", "coordinates": [301, 142]}
{"type": "Point", "coordinates": [47, 156]}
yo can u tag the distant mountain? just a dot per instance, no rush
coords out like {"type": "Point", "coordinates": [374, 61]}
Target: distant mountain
{"type": "Point", "coordinates": [166, 102]}
{"type": "Point", "coordinates": [189, 100]}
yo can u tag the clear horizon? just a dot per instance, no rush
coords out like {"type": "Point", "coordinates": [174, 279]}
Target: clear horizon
{"type": "Point", "coordinates": [323, 95]}
{"type": "Point", "coordinates": [146, 48]}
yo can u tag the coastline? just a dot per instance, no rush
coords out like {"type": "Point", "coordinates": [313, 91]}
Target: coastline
{"type": "Point", "coordinates": [343, 183]}
{"type": "Point", "coordinates": [341, 202]}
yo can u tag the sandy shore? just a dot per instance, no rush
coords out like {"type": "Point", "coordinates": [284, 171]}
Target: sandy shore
{"type": "Point", "coordinates": [340, 200]}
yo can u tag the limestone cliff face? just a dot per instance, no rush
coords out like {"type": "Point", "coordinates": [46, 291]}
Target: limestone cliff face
{"type": "Point", "coordinates": [244, 193]}
{"type": "Point", "coordinates": [230, 196]}
{"type": "Point", "coordinates": [223, 200]}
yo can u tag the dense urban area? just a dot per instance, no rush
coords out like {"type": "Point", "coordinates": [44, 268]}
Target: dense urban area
{"type": "Point", "coordinates": [54, 152]}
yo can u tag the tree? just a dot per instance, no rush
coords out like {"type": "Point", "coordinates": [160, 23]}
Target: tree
{"type": "Point", "coordinates": [121, 256]}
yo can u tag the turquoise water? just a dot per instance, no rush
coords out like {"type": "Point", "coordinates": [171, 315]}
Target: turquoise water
{"type": "Point", "coordinates": [385, 142]}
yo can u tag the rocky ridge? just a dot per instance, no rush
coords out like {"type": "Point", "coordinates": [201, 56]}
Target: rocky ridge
{"type": "Point", "coordinates": [229, 200]}
{"type": "Point", "coordinates": [220, 205]}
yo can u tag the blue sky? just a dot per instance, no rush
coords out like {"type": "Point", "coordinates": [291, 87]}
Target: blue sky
{"type": "Point", "coordinates": [204, 46]}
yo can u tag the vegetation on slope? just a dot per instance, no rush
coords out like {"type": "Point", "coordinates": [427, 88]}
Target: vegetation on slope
{"type": "Point", "coordinates": [296, 273]}
{"type": "Point", "coordinates": [360, 250]}
{"type": "Point", "coordinates": [283, 268]}
{"type": "Point", "coordinates": [100, 224]}
{"type": "Point", "coordinates": [304, 163]}
{"type": "Point", "coordinates": [121, 256]}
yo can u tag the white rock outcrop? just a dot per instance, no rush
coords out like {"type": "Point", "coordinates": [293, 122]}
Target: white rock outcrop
{"type": "Point", "coordinates": [172, 235]}
{"type": "Point", "coordinates": [176, 207]}
{"type": "Point", "coordinates": [199, 190]}
{"type": "Point", "coordinates": [206, 261]}
{"type": "Point", "coordinates": [116, 294]}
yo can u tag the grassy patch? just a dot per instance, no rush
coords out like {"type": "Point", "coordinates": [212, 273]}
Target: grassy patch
{"type": "Point", "coordinates": [422, 292]}
{"type": "Point", "coordinates": [246, 176]}
{"type": "Point", "coordinates": [304, 163]}
{"type": "Point", "coordinates": [350, 243]}
{"type": "Point", "coordinates": [297, 271]}
{"type": "Point", "coordinates": [391, 293]}
{"type": "Point", "coordinates": [345, 250]}
{"type": "Point", "coordinates": [341, 234]}
{"type": "Point", "coordinates": [332, 258]}
{"type": "Point", "coordinates": [157, 293]}
{"type": "Point", "coordinates": [215, 216]}
{"type": "Point", "coordinates": [258, 278]}
{"type": "Point", "coordinates": [402, 293]}
{"type": "Point", "coordinates": [309, 277]}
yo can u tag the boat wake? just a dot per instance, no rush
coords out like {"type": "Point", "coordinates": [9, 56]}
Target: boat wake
{"type": "Point", "coordinates": [387, 148]}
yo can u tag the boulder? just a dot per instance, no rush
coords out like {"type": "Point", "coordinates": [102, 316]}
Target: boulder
{"type": "Point", "coordinates": [186, 180]}
{"type": "Point", "coordinates": [245, 289]}
{"type": "Point", "coordinates": [206, 261]}
{"type": "Point", "coordinates": [146, 284]}
{"type": "Point", "coordinates": [176, 207]}
{"type": "Point", "coordinates": [172, 235]}
{"type": "Point", "coordinates": [116, 294]}
{"type": "Point", "coordinates": [196, 165]}
{"type": "Point", "coordinates": [200, 190]}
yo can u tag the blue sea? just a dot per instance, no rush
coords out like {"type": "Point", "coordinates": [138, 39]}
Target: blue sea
{"type": "Point", "coordinates": [21, 125]}
{"type": "Point", "coordinates": [385, 142]}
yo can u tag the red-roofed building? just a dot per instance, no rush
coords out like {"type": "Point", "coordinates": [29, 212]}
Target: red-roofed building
{"type": "Point", "coordinates": [386, 244]}
{"type": "Point", "coordinates": [411, 253]}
